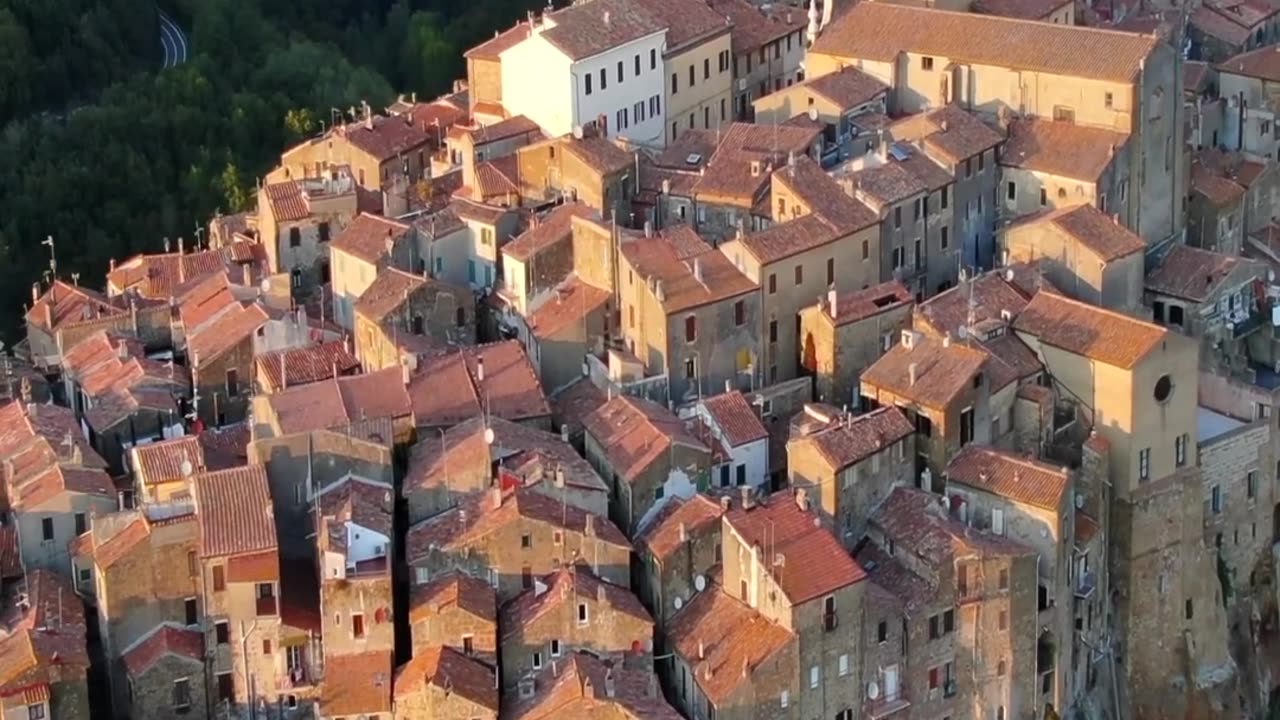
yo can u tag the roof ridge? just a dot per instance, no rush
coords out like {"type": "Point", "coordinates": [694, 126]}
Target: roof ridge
{"type": "Point", "coordinates": [1099, 308]}
{"type": "Point", "coordinates": [1024, 21]}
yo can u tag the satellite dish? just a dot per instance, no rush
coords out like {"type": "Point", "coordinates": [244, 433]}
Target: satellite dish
{"type": "Point", "coordinates": [873, 689]}
{"type": "Point", "coordinates": [700, 583]}
{"type": "Point", "coordinates": [488, 436]}
{"type": "Point", "coordinates": [186, 468]}
{"type": "Point", "coordinates": [265, 285]}
{"type": "Point", "coordinates": [1008, 275]}
{"type": "Point", "coordinates": [678, 602]}
{"type": "Point", "coordinates": [1271, 275]}
{"type": "Point", "coordinates": [1079, 501]}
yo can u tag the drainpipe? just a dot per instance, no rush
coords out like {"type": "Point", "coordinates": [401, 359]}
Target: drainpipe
{"type": "Point", "coordinates": [244, 654]}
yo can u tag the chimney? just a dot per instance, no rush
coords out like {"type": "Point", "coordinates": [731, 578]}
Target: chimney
{"type": "Point", "coordinates": [728, 385]}
{"type": "Point", "coordinates": [606, 18]}
{"type": "Point", "coordinates": [755, 168]}
{"type": "Point", "coordinates": [588, 690]}
{"type": "Point", "coordinates": [368, 115]}
{"type": "Point", "coordinates": [122, 350]}
{"type": "Point", "coordinates": [48, 313]}
{"type": "Point", "coordinates": [802, 499]}
{"type": "Point", "coordinates": [600, 596]}
{"type": "Point", "coordinates": [946, 339]}
{"type": "Point", "coordinates": [697, 269]}
{"type": "Point", "coordinates": [746, 667]}
{"type": "Point", "coordinates": [495, 498]}
{"type": "Point", "coordinates": [943, 124]}
{"type": "Point", "coordinates": [648, 228]}
{"type": "Point", "coordinates": [564, 433]}
{"type": "Point", "coordinates": [404, 371]}
{"type": "Point", "coordinates": [748, 497]}
{"type": "Point", "coordinates": [702, 650]}
{"type": "Point", "coordinates": [480, 369]}
{"type": "Point", "coordinates": [111, 264]}
{"type": "Point", "coordinates": [791, 158]}
{"type": "Point", "coordinates": [911, 374]}
{"type": "Point", "coordinates": [35, 293]}
{"type": "Point", "coordinates": [590, 530]}
{"type": "Point", "coordinates": [559, 481]}
{"type": "Point", "coordinates": [608, 683]}
{"type": "Point", "coordinates": [882, 149]}
{"type": "Point", "coordinates": [832, 298]}
{"type": "Point", "coordinates": [666, 186]}
{"type": "Point", "coordinates": [182, 245]}
{"type": "Point", "coordinates": [684, 533]}
{"type": "Point", "coordinates": [658, 293]}
{"type": "Point", "coordinates": [725, 502]}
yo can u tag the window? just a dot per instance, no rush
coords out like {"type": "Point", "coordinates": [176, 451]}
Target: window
{"type": "Point", "coordinates": [897, 217]}
{"type": "Point", "coordinates": [692, 76]}
{"type": "Point", "coordinates": [843, 665]}
{"type": "Point", "coordinates": [1180, 450]}
{"type": "Point", "coordinates": [226, 686]}
{"type": "Point", "coordinates": [637, 64]}
{"type": "Point", "coordinates": [266, 646]}
{"type": "Point", "coordinates": [583, 618]}
{"type": "Point", "coordinates": [706, 117]}
{"type": "Point", "coordinates": [526, 577]}
{"type": "Point", "coordinates": [653, 59]}
{"type": "Point", "coordinates": [295, 237]}
{"type": "Point", "coordinates": [948, 621]}
{"type": "Point", "coordinates": [1215, 499]}
{"type": "Point", "coordinates": [82, 523]}
{"type": "Point", "coordinates": [357, 625]}
{"type": "Point", "coordinates": [219, 579]}
{"type": "Point", "coordinates": [933, 678]}
{"type": "Point", "coordinates": [1251, 484]}
{"type": "Point", "coordinates": [324, 232]}
{"type": "Point", "coordinates": [1013, 191]}
{"type": "Point", "coordinates": [773, 283]}
{"type": "Point", "coordinates": [773, 336]}
{"type": "Point", "coordinates": [926, 63]}
{"type": "Point", "coordinates": [537, 661]}
{"type": "Point", "coordinates": [706, 68]}
{"type": "Point", "coordinates": [813, 677]}
{"type": "Point", "coordinates": [740, 475]}
{"type": "Point", "coordinates": [785, 698]}
{"type": "Point", "coordinates": [799, 272]}
{"type": "Point", "coordinates": [739, 313]}
{"type": "Point", "coordinates": [619, 71]}
{"type": "Point", "coordinates": [1144, 464]}
{"type": "Point", "coordinates": [46, 529]}
{"type": "Point", "coordinates": [1004, 579]}
{"type": "Point", "coordinates": [604, 79]}
{"type": "Point", "coordinates": [1189, 610]}
{"type": "Point", "coordinates": [690, 368]}
{"type": "Point", "coordinates": [968, 167]}
{"type": "Point", "coordinates": [866, 249]}
{"type": "Point", "coordinates": [882, 632]}
{"type": "Point", "coordinates": [690, 329]}
{"type": "Point", "coordinates": [469, 645]}
{"type": "Point", "coordinates": [1004, 620]}
{"type": "Point", "coordinates": [222, 632]}
{"type": "Point", "coordinates": [966, 426]}
{"type": "Point", "coordinates": [945, 196]}
{"type": "Point", "coordinates": [586, 79]}
{"type": "Point", "coordinates": [233, 382]}
{"type": "Point", "coordinates": [1107, 101]}
{"type": "Point", "coordinates": [191, 611]}
{"type": "Point", "coordinates": [1000, 713]}
{"type": "Point", "coordinates": [181, 694]}
{"type": "Point", "coordinates": [555, 648]}
{"type": "Point", "coordinates": [935, 627]}
{"type": "Point", "coordinates": [526, 541]}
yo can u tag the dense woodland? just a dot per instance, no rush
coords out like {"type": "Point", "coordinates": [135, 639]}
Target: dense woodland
{"type": "Point", "coordinates": [109, 154]}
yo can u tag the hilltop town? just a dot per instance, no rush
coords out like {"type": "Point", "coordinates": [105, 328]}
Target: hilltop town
{"type": "Point", "coordinates": [690, 359]}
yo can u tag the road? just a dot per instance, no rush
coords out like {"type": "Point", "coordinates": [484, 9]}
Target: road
{"type": "Point", "coordinates": [172, 41]}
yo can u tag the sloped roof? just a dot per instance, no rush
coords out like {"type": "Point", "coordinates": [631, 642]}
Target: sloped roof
{"type": "Point", "coordinates": [1103, 335]}
{"type": "Point", "coordinates": [941, 372]}
{"type": "Point", "coordinates": [735, 418]}
{"type": "Point", "coordinates": [451, 672]}
{"type": "Point", "coordinates": [634, 432]}
{"type": "Point", "coordinates": [698, 514]}
{"type": "Point", "coordinates": [453, 589]}
{"type": "Point", "coordinates": [161, 641]}
{"type": "Point", "coordinates": [235, 511]}
{"type": "Point", "coordinates": [850, 439]}
{"type": "Point", "coordinates": [1008, 475]}
{"type": "Point", "coordinates": [1089, 226]}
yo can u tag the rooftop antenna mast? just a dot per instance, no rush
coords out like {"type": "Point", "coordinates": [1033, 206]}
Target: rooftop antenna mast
{"type": "Point", "coordinates": [53, 256]}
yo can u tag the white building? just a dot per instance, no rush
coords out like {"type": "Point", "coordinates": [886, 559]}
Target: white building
{"type": "Point", "coordinates": [599, 63]}
{"type": "Point", "coordinates": [734, 424]}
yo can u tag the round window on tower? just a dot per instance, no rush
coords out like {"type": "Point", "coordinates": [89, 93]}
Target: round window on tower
{"type": "Point", "coordinates": [1164, 388]}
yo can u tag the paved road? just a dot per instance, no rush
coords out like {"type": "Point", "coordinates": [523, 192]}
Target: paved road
{"type": "Point", "coordinates": [172, 41]}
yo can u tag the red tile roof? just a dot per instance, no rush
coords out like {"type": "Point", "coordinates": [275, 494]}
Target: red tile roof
{"type": "Point", "coordinates": [10, 559]}
{"type": "Point", "coordinates": [450, 671]}
{"type": "Point", "coordinates": [257, 567]}
{"type": "Point", "coordinates": [566, 585]}
{"type": "Point", "coordinates": [1194, 274]}
{"type": "Point", "coordinates": [832, 214]}
{"type": "Point", "coordinates": [718, 636]}
{"type": "Point", "coordinates": [1061, 148]}
{"type": "Point", "coordinates": [858, 305]}
{"type": "Point", "coordinates": [574, 301]}
{"type": "Point", "coordinates": [365, 503]}
{"type": "Point", "coordinates": [846, 88]}
{"type": "Point", "coordinates": [336, 402]}
{"type": "Point", "coordinates": [582, 31]}
{"type": "Point", "coordinates": [67, 304]}
{"type": "Point", "coordinates": [108, 549]}
{"type": "Point", "coordinates": [299, 366]}
{"type": "Point", "coordinates": [942, 371]}
{"type": "Point", "coordinates": [917, 523]}
{"type": "Point", "coordinates": [988, 297]}
{"type": "Point", "coordinates": [51, 632]}
{"type": "Point", "coordinates": [949, 131]}
{"type": "Point", "coordinates": [850, 439]}
{"type": "Point", "coordinates": [737, 420]}
{"type": "Point", "coordinates": [163, 275]}
{"type": "Point", "coordinates": [389, 137]}
{"type": "Point", "coordinates": [1008, 475]}
{"type": "Point", "coordinates": [547, 230]}
{"type": "Point", "coordinates": [370, 237]}
{"type": "Point", "coordinates": [879, 31]}
{"type": "Point", "coordinates": [691, 272]}
{"type": "Point", "coordinates": [1086, 528]}
{"type": "Point", "coordinates": [634, 433]}
{"type": "Point", "coordinates": [1024, 9]}
{"type": "Point", "coordinates": [1103, 335]}
{"type": "Point", "coordinates": [453, 589]}
{"type": "Point", "coordinates": [356, 684]}
{"type": "Point", "coordinates": [288, 201]}
{"type": "Point", "coordinates": [815, 562]}
{"type": "Point", "coordinates": [160, 641]}
{"type": "Point", "coordinates": [576, 687]}
{"type": "Point", "coordinates": [223, 333]}
{"type": "Point", "coordinates": [235, 511]}
{"type": "Point", "coordinates": [476, 517]}
{"type": "Point", "coordinates": [574, 402]}
{"type": "Point", "coordinates": [1094, 230]}
{"type": "Point", "coordinates": [695, 516]}
{"type": "Point", "coordinates": [501, 41]}
{"type": "Point", "coordinates": [754, 26]}
{"type": "Point", "coordinates": [377, 394]}
{"type": "Point", "coordinates": [728, 175]}
{"type": "Point", "coordinates": [446, 388]}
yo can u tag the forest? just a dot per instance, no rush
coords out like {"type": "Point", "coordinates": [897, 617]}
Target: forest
{"type": "Point", "coordinates": [109, 154]}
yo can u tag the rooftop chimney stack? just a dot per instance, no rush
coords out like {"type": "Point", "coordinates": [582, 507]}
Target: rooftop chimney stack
{"type": "Point", "coordinates": [911, 373]}
{"type": "Point", "coordinates": [480, 369]}
{"type": "Point", "coordinates": [697, 269]}
{"type": "Point", "coordinates": [832, 298]}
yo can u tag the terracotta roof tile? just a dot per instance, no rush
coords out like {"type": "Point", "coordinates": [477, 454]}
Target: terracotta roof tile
{"type": "Point", "coordinates": [1263, 63]}
{"type": "Point", "coordinates": [728, 176]}
{"type": "Point", "coordinates": [375, 395]}
{"type": "Point", "coordinates": [698, 514]}
{"type": "Point", "coordinates": [837, 210]}
{"type": "Point", "coordinates": [51, 632]}
{"type": "Point", "coordinates": [498, 177]}
{"type": "Point", "coordinates": [1096, 232]}
{"type": "Point", "coordinates": [163, 275]}
{"type": "Point", "coordinates": [556, 226]}
{"type": "Point", "coordinates": [129, 533]}
{"type": "Point", "coordinates": [582, 31]}
{"type": "Point", "coordinates": [676, 155]}
{"type": "Point", "coordinates": [506, 129]}
{"type": "Point", "coordinates": [235, 511]}
{"type": "Point", "coordinates": [600, 154]}
{"type": "Point", "coordinates": [370, 237]}
{"type": "Point", "coordinates": [846, 88]}
{"type": "Point", "coordinates": [918, 523]}
{"type": "Point", "coordinates": [858, 305]}
{"type": "Point", "coordinates": [67, 304]}
{"type": "Point", "coordinates": [10, 559]}
{"type": "Point", "coordinates": [237, 324]}
{"type": "Point", "coordinates": [949, 131]}
{"type": "Point", "coordinates": [574, 688]}
{"type": "Point", "coordinates": [356, 684]}
{"type": "Point", "coordinates": [299, 366]}
{"type": "Point", "coordinates": [288, 201]}
{"type": "Point", "coordinates": [908, 589]}
{"type": "Point", "coordinates": [493, 48]}
{"type": "Point", "coordinates": [1103, 335]}
{"type": "Point", "coordinates": [257, 567]}
{"type": "Point", "coordinates": [160, 641]}
{"type": "Point", "coordinates": [1061, 148]}
{"type": "Point", "coordinates": [815, 562]}
{"type": "Point", "coordinates": [573, 302]}
{"type": "Point", "coordinates": [883, 184]}
{"type": "Point", "coordinates": [1195, 73]}
{"type": "Point", "coordinates": [388, 292]}
{"type": "Point", "coordinates": [446, 389]}
{"type": "Point", "coordinates": [1086, 528]}
{"type": "Point", "coordinates": [388, 138]}
{"type": "Point", "coordinates": [476, 517]}
{"type": "Point", "coordinates": [1217, 24]}
{"type": "Point", "coordinates": [729, 635]}
{"type": "Point", "coordinates": [451, 672]}
{"type": "Point", "coordinates": [1217, 189]}
{"type": "Point", "coordinates": [736, 419]}
{"type": "Point", "coordinates": [675, 257]}
{"type": "Point", "coordinates": [1024, 9]}
{"type": "Point", "coordinates": [755, 26]}
{"type": "Point", "coordinates": [991, 293]}
{"type": "Point", "coordinates": [879, 31]}
{"type": "Point", "coordinates": [453, 589]}
{"type": "Point", "coordinates": [941, 372]}
{"type": "Point", "coordinates": [1003, 473]}
{"type": "Point", "coordinates": [565, 586]}
{"type": "Point", "coordinates": [1193, 274]}
{"type": "Point", "coordinates": [478, 212]}
{"type": "Point", "coordinates": [687, 23]}
{"type": "Point", "coordinates": [634, 432]}
{"type": "Point", "coordinates": [575, 401]}
{"type": "Point", "coordinates": [850, 439]}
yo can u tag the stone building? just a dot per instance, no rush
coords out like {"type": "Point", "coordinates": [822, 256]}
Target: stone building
{"type": "Point", "coordinates": [296, 220]}
{"type": "Point", "coordinates": [160, 276]}
{"type": "Point", "coordinates": [1083, 253]}
{"type": "Point", "coordinates": [732, 425]}
{"type": "Point", "coordinates": [357, 685]}
{"type": "Point", "coordinates": [457, 611]}
{"type": "Point", "coordinates": [850, 463]}
{"type": "Point", "coordinates": [1247, 81]}
{"type": "Point", "coordinates": [680, 545]}
{"type": "Point", "coordinates": [166, 674]}
{"type": "Point", "coordinates": [402, 314]}
{"type": "Point", "coordinates": [282, 369]}
{"type": "Point", "coordinates": [447, 467]}
{"type": "Point", "coordinates": [510, 537]}
{"type": "Point", "coordinates": [568, 611]}
{"type": "Point", "coordinates": [583, 685]}
{"type": "Point", "coordinates": [647, 455]}
{"type": "Point", "coordinates": [360, 254]}
{"type": "Point", "coordinates": [495, 379]}
{"type": "Point", "coordinates": [1052, 165]}
{"type": "Point", "coordinates": [375, 151]}
{"type": "Point", "coordinates": [815, 227]}
{"type": "Point", "coordinates": [220, 338]}
{"type": "Point", "coordinates": [591, 170]}
{"type": "Point", "coordinates": [64, 314]}
{"type": "Point", "coordinates": [848, 331]}
{"type": "Point", "coordinates": [688, 312]}
{"type": "Point", "coordinates": [42, 641]}
{"type": "Point", "coordinates": [442, 682]}
{"type": "Point", "coordinates": [832, 100]}
{"type": "Point", "coordinates": [768, 50]}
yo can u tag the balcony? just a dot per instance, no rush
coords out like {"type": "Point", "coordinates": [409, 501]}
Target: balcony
{"type": "Point", "coordinates": [266, 606]}
{"type": "Point", "coordinates": [1245, 323]}
{"type": "Point", "coordinates": [1086, 583]}
{"type": "Point", "coordinates": [296, 677]}
{"type": "Point", "coordinates": [888, 705]}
